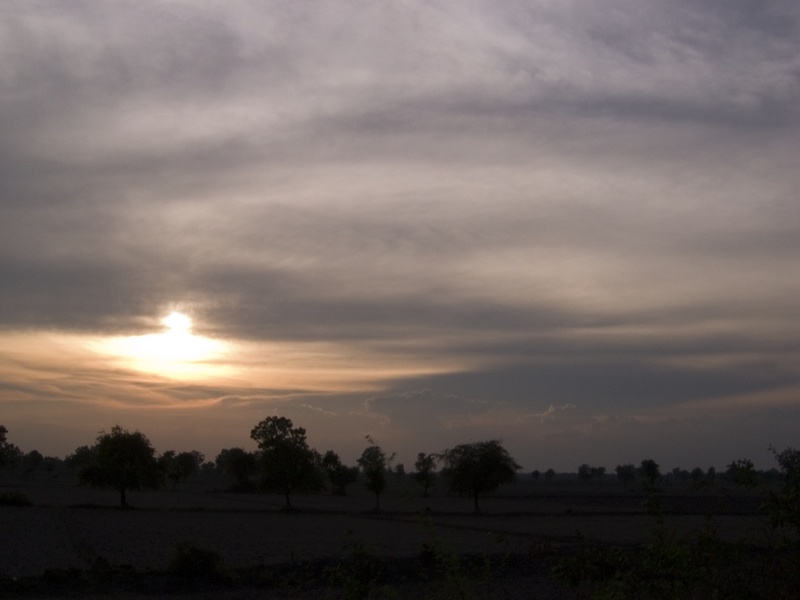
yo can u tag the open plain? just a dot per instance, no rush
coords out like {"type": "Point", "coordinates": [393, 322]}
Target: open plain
{"type": "Point", "coordinates": [521, 533]}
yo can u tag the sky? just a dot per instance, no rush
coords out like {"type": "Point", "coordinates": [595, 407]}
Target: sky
{"type": "Point", "coordinates": [571, 226]}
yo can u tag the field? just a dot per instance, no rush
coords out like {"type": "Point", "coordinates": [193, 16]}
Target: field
{"type": "Point", "coordinates": [74, 540]}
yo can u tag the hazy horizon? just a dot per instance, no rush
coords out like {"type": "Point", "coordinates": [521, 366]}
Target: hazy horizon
{"type": "Point", "coordinates": [572, 227]}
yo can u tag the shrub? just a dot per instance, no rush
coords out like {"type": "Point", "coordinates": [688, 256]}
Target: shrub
{"type": "Point", "coordinates": [14, 499]}
{"type": "Point", "coordinates": [194, 562]}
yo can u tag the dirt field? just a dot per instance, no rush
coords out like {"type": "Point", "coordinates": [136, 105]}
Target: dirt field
{"type": "Point", "coordinates": [79, 529]}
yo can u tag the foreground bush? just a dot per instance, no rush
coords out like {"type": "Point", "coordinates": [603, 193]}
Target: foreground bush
{"type": "Point", "coordinates": [14, 499]}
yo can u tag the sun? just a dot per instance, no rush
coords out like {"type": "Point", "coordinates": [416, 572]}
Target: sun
{"type": "Point", "coordinates": [177, 322]}
{"type": "Point", "coordinates": [176, 352]}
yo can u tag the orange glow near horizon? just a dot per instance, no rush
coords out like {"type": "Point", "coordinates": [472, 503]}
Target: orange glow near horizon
{"type": "Point", "coordinates": [175, 353]}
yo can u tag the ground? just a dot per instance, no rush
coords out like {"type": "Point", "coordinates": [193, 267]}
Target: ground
{"type": "Point", "coordinates": [74, 537]}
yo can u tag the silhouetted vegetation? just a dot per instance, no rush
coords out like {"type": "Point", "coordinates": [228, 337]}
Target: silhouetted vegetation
{"type": "Point", "coordinates": [626, 474]}
{"type": "Point", "coordinates": [123, 461]}
{"type": "Point", "coordinates": [13, 498]}
{"type": "Point", "coordinates": [179, 467]}
{"type": "Point", "coordinates": [339, 475]}
{"type": "Point", "coordinates": [9, 453]}
{"type": "Point", "coordinates": [670, 563]}
{"type": "Point", "coordinates": [478, 468]}
{"type": "Point", "coordinates": [240, 465]}
{"type": "Point", "coordinates": [286, 462]}
{"type": "Point", "coordinates": [374, 463]}
{"type": "Point", "coordinates": [649, 472]}
{"type": "Point", "coordinates": [425, 473]}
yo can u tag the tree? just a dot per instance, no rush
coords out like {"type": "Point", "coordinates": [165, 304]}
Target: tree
{"type": "Point", "coordinates": [169, 467]}
{"type": "Point", "coordinates": [124, 461]}
{"type": "Point", "coordinates": [51, 464]}
{"type": "Point", "coordinates": [339, 475]}
{"type": "Point", "coordinates": [31, 462]}
{"type": "Point", "coordinates": [784, 505]}
{"type": "Point", "coordinates": [698, 476]}
{"type": "Point", "coordinates": [743, 473]}
{"type": "Point", "coordinates": [478, 468]}
{"type": "Point", "coordinates": [189, 463]}
{"type": "Point", "coordinates": [82, 457]}
{"type": "Point", "coordinates": [374, 463]}
{"type": "Point", "coordinates": [550, 474]}
{"type": "Point", "coordinates": [588, 473]}
{"type": "Point", "coordinates": [585, 472]}
{"type": "Point", "coordinates": [425, 473]}
{"type": "Point", "coordinates": [9, 453]}
{"type": "Point", "coordinates": [536, 474]}
{"type": "Point", "coordinates": [286, 461]}
{"type": "Point", "coordinates": [239, 464]}
{"type": "Point", "coordinates": [649, 472]}
{"type": "Point", "coordinates": [626, 474]}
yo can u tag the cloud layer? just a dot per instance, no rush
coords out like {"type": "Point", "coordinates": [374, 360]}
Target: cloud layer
{"type": "Point", "coordinates": [499, 207]}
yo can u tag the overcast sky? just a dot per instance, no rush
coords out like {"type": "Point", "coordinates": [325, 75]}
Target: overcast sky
{"type": "Point", "coordinates": [572, 226]}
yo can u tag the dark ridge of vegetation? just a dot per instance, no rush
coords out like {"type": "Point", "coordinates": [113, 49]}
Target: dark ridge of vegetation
{"type": "Point", "coordinates": [357, 574]}
{"type": "Point", "coordinates": [13, 498]}
{"type": "Point", "coordinates": [682, 568]}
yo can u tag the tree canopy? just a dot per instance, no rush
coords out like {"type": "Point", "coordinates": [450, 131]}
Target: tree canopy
{"type": "Point", "coordinates": [239, 464]}
{"type": "Point", "coordinates": [626, 474]}
{"type": "Point", "coordinates": [286, 461]}
{"type": "Point", "coordinates": [425, 470]}
{"type": "Point", "coordinates": [650, 472]}
{"type": "Point", "coordinates": [8, 451]}
{"type": "Point", "coordinates": [123, 460]}
{"type": "Point", "coordinates": [374, 463]}
{"type": "Point", "coordinates": [478, 468]}
{"type": "Point", "coordinates": [339, 475]}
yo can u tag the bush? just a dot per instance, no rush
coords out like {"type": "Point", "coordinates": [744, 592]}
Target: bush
{"type": "Point", "coordinates": [14, 499]}
{"type": "Point", "coordinates": [194, 562]}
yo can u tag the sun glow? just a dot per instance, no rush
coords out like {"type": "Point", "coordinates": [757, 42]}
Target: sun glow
{"type": "Point", "coordinates": [175, 353]}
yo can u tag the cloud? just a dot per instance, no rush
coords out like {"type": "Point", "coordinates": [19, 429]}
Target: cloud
{"type": "Point", "coordinates": [511, 205]}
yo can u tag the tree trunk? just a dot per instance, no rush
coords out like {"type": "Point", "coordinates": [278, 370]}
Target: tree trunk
{"type": "Point", "coordinates": [288, 501]}
{"type": "Point", "coordinates": [477, 507]}
{"type": "Point", "coordinates": [123, 501]}
{"type": "Point", "coordinates": [377, 502]}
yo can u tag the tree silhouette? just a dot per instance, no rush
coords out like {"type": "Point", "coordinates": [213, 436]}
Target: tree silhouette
{"type": "Point", "coordinates": [784, 505]}
{"type": "Point", "coordinates": [81, 457]}
{"type": "Point", "coordinates": [239, 464]}
{"type": "Point", "coordinates": [286, 461]}
{"type": "Point", "coordinates": [374, 463]}
{"type": "Point", "coordinates": [9, 453]}
{"type": "Point", "coordinates": [697, 475]}
{"type": "Point", "coordinates": [338, 474]}
{"type": "Point", "coordinates": [425, 473]}
{"type": "Point", "coordinates": [649, 472]}
{"type": "Point", "coordinates": [478, 468]}
{"type": "Point", "coordinates": [31, 462]}
{"type": "Point", "coordinates": [169, 467]}
{"type": "Point", "coordinates": [123, 461]}
{"type": "Point", "coordinates": [626, 474]}
{"type": "Point", "coordinates": [189, 463]}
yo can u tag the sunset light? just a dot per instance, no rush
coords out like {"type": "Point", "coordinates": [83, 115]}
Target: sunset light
{"type": "Point", "coordinates": [174, 353]}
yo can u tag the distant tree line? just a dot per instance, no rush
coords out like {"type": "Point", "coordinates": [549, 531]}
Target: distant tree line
{"type": "Point", "coordinates": [284, 463]}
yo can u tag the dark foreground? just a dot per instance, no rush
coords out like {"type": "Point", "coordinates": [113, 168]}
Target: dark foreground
{"type": "Point", "coordinates": [531, 541]}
